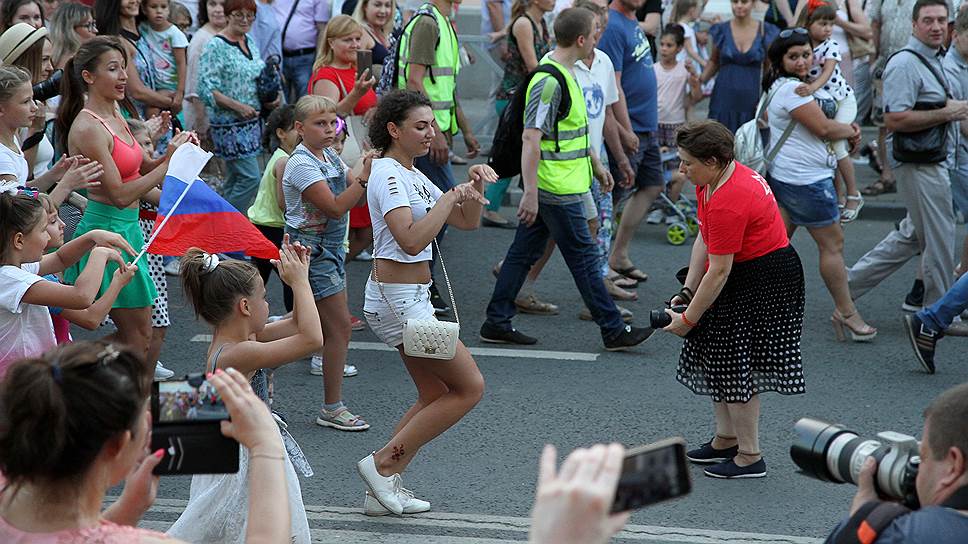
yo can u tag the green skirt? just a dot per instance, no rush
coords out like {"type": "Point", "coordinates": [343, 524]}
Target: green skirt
{"type": "Point", "coordinates": [140, 293]}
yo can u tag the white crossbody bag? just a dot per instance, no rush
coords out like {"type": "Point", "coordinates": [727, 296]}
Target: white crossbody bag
{"type": "Point", "coordinates": [427, 338]}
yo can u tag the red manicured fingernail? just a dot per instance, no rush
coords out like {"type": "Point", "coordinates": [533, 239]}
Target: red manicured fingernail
{"type": "Point", "coordinates": [218, 370]}
{"type": "Point", "coordinates": [159, 454]}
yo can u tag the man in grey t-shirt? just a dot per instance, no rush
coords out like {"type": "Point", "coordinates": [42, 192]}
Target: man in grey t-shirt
{"type": "Point", "coordinates": [929, 227]}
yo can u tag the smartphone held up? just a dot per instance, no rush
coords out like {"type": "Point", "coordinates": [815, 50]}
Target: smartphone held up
{"type": "Point", "coordinates": [653, 473]}
{"type": "Point", "coordinates": [186, 423]}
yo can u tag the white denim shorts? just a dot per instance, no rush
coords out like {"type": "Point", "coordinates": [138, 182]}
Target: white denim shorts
{"type": "Point", "coordinates": [410, 300]}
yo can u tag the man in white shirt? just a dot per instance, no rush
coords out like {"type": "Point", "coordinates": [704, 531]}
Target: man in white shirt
{"type": "Point", "coordinates": [303, 23]}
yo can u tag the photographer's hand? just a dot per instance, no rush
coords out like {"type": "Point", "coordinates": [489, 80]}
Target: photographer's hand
{"type": "Point", "coordinates": [865, 486]}
{"type": "Point", "coordinates": [678, 327]}
{"type": "Point", "coordinates": [573, 505]}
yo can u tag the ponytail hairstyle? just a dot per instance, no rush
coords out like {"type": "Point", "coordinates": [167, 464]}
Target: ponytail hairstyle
{"type": "Point", "coordinates": [675, 31]}
{"type": "Point", "coordinates": [215, 286]}
{"type": "Point", "coordinates": [394, 108]}
{"type": "Point", "coordinates": [778, 49]}
{"type": "Point", "coordinates": [19, 212]}
{"type": "Point", "coordinates": [816, 10]}
{"type": "Point", "coordinates": [73, 87]}
{"type": "Point", "coordinates": [58, 411]}
{"type": "Point", "coordinates": [283, 117]}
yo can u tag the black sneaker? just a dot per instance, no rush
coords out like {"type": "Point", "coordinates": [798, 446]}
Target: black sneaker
{"type": "Point", "coordinates": [922, 340]}
{"type": "Point", "coordinates": [914, 300]}
{"type": "Point", "coordinates": [494, 335]}
{"type": "Point", "coordinates": [630, 336]}
{"type": "Point", "coordinates": [440, 307]}
{"type": "Point", "coordinates": [730, 470]}
{"type": "Point", "coordinates": [707, 454]}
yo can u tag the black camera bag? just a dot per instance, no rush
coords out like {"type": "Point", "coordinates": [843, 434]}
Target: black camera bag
{"type": "Point", "coordinates": [931, 144]}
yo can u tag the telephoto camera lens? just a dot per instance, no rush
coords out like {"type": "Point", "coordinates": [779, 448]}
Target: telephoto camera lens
{"type": "Point", "coordinates": [833, 453]}
{"type": "Point", "coordinates": [49, 88]}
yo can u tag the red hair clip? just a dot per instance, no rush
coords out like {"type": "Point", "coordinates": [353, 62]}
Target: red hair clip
{"type": "Point", "coordinates": [814, 4]}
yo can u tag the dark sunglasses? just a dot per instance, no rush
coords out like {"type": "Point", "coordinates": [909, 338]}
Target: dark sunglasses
{"type": "Point", "coordinates": [790, 31]}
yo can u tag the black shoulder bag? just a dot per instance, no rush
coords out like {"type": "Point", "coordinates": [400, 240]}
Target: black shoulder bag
{"type": "Point", "coordinates": [931, 144]}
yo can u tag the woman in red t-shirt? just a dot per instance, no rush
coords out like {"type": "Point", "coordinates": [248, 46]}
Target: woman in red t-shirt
{"type": "Point", "coordinates": [334, 76]}
{"type": "Point", "coordinates": [745, 297]}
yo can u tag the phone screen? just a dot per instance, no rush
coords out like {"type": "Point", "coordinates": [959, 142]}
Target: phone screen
{"type": "Point", "coordinates": [652, 474]}
{"type": "Point", "coordinates": [364, 61]}
{"type": "Point", "coordinates": [193, 399]}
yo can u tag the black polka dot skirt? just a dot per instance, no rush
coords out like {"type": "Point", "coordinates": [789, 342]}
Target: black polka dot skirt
{"type": "Point", "coordinates": [748, 342]}
{"type": "Point", "coordinates": [156, 270]}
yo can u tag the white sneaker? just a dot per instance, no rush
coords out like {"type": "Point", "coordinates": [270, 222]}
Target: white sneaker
{"type": "Point", "coordinates": [385, 489]}
{"type": "Point", "coordinates": [172, 268]}
{"type": "Point", "coordinates": [162, 373]}
{"type": "Point", "coordinates": [316, 366]}
{"type": "Point", "coordinates": [672, 219]}
{"type": "Point", "coordinates": [364, 256]}
{"type": "Point", "coordinates": [411, 504]}
{"type": "Point", "coordinates": [655, 217]}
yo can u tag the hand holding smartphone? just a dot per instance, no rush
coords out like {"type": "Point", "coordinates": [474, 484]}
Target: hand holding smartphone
{"type": "Point", "coordinates": [364, 62]}
{"type": "Point", "coordinates": [186, 423]}
{"type": "Point", "coordinates": [653, 473]}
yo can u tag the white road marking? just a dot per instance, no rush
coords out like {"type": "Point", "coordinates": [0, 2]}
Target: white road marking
{"type": "Point", "coordinates": [480, 352]}
{"type": "Point", "coordinates": [449, 522]}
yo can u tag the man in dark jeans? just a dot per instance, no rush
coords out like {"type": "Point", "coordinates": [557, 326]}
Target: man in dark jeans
{"type": "Point", "coordinates": [556, 173]}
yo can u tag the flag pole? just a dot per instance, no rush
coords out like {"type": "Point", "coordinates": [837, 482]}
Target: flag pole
{"type": "Point", "coordinates": [171, 212]}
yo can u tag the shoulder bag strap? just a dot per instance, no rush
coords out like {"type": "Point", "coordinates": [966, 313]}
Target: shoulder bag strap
{"type": "Point", "coordinates": [285, 27]}
{"type": "Point", "coordinates": [440, 257]}
{"type": "Point", "coordinates": [783, 138]}
{"type": "Point", "coordinates": [934, 71]}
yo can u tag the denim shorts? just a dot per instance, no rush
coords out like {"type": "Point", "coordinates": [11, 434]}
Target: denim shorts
{"type": "Point", "coordinates": [813, 205]}
{"type": "Point", "coordinates": [327, 265]}
{"type": "Point", "coordinates": [406, 300]}
{"type": "Point", "coordinates": [646, 162]}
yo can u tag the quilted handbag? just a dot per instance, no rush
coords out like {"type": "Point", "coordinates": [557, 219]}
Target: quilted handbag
{"type": "Point", "coordinates": [428, 338]}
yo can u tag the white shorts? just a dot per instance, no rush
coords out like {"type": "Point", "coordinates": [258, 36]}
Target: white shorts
{"type": "Point", "coordinates": [410, 300]}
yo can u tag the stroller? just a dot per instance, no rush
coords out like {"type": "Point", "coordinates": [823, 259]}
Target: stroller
{"type": "Point", "coordinates": [688, 225]}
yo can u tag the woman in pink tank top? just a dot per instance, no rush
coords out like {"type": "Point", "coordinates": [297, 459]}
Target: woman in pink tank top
{"type": "Point", "coordinates": [89, 123]}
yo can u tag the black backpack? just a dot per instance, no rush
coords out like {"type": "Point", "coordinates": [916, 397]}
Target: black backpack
{"type": "Point", "coordinates": [506, 147]}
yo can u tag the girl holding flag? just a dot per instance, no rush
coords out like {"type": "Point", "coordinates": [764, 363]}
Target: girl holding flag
{"type": "Point", "coordinates": [89, 123]}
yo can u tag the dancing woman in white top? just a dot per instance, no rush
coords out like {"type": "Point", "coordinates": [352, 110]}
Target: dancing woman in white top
{"type": "Point", "coordinates": [407, 212]}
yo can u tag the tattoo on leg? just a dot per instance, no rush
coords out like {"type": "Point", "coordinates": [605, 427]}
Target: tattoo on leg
{"type": "Point", "coordinates": [398, 453]}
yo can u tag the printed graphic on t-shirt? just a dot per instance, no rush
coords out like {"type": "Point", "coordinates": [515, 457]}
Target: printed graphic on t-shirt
{"type": "Point", "coordinates": [594, 100]}
{"type": "Point", "coordinates": [642, 51]}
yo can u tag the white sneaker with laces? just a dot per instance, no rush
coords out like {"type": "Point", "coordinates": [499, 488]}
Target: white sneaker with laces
{"type": "Point", "coordinates": [162, 373]}
{"type": "Point", "coordinates": [364, 256]}
{"type": "Point", "coordinates": [385, 489]}
{"type": "Point", "coordinates": [172, 268]}
{"type": "Point", "coordinates": [316, 366]}
{"type": "Point", "coordinates": [411, 504]}
{"type": "Point", "coordinates": [655, 217]}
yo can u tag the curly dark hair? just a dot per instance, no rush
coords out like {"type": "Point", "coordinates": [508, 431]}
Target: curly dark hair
{"type": "Point", "coordinates": [393, 108]}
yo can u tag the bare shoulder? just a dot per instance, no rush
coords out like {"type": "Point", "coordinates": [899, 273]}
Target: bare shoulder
{"type": "Point", "coordinates": [86, 133]}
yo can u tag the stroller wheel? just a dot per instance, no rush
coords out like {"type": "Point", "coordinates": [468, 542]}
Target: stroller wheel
{"type": "Point", "coordinates": [693, 224]}
{"type": "Point", "coordinates": [677, 234]}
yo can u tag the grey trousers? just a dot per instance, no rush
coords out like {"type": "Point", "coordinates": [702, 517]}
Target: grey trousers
{"type": "Point", "coordinates": [929, 229]}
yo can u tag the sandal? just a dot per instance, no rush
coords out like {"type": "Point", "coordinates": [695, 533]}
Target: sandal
{"type": "Point", "coordinates": [842, 329]}
{"type": "Point", "coordinates": [632, 273]}
{"type": "Point", "coordinates": [623, 282]}
{"type": "Point", "coordinates": [849, 214]}
{"type": "Point", "coordinates": [880, 187]}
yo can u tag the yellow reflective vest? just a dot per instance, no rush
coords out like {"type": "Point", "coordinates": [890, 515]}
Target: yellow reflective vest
{"type": "Point", "coordinates": [440, 80]}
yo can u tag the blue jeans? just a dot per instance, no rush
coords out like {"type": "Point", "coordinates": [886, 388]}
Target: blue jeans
{"type": "Point", "coordinates": [942, 313]}
{"type": "Point", "coordinates": [443, 178]}
{"type": "Point", "coordinates": [297, 71]}
{"type": "Point", "coordinates": [242, 178]}
{"type": "Point", "coordinates": [566, 224]}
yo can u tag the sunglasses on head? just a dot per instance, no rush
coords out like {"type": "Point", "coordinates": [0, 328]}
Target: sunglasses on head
{"type": "Point", "coordinates": [791, 31]}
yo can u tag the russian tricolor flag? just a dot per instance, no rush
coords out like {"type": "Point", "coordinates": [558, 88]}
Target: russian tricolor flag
{"type": "Point", "coordinates": [191, 214]}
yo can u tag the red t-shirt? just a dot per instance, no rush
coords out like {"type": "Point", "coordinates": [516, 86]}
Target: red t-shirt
{"type": "Point", "coordinates": [348, 77]}
{"type": "Point", "coordinates": [741, 218]}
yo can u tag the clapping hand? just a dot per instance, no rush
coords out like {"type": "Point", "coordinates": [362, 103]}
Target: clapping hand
{"type": "Point", "coordinates": [465, 192]}
{"type": "Point", "coordinates": [110, 240]}
{"type": "Point", "coordinates": [81, 174]}
{"type": "Point", "coordinates": [481, 173]}
{"type": "Point", "coordinates": [293, 262]}
{"type": "Point", "coordinates": [158, 126]}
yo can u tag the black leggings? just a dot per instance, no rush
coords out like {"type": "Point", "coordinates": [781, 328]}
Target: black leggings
{"type": "Point", "coordinates": [274, 234]}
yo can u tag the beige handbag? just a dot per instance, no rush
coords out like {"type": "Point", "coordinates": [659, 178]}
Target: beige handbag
{"type": "Point", "coordinates": [355, 134]}
{"type": "Point", "coordinates": [428, 338]}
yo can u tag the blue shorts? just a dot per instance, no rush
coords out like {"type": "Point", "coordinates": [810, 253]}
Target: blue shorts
{"type": "Point", "coordinates": [646, 162]}
{"type": "Point", "coordinates": [327, 265]}
{"type": "Point", "coordinates": [813, 205]}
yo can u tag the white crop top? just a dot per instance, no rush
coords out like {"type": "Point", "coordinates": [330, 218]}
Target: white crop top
{"type": "Point", "coordinates": [392, 186]}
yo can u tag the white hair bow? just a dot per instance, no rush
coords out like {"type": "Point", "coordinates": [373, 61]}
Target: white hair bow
{"type": "Point", "coordinates": [211, 263]}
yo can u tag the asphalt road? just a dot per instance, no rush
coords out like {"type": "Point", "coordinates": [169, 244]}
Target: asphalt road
{"type": "Point", "coordinates": [480, 475]}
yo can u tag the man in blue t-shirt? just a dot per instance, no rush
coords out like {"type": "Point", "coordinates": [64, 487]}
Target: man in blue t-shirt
{"type": "Point", "coordinates": [637, 166]}
{"type": "Point", "coordinates": [942, 483]}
